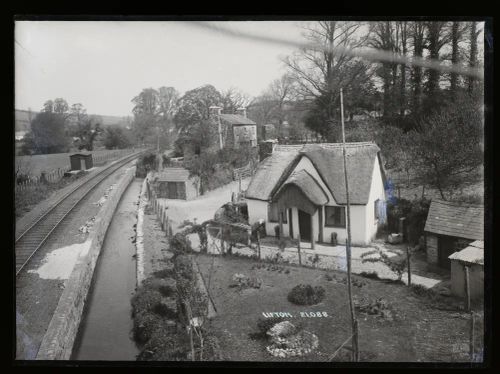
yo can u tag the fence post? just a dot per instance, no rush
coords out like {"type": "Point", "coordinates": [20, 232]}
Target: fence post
{"type": "Point", "coordinates": [471, 337]}
{"type": "Point", "coordinates": [356, 341]}
{"type": "Point", "coordinates": [349, 291]}
{"type": "Point", "coordinates": [258, 243]}
{"type": "Point", "coordinates": [467, 288]}
{"type": "Point", "coordinates": [409, 265]}
{"type": "Point", "coordinates": [298, 250]}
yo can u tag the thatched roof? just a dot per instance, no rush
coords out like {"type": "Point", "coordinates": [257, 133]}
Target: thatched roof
{"type": "Point", "coordinates": [308, 185]}
{"type": "Point", "coordinates": [473, 254]}
{"type": "Point", "coordinates": [328, 160]}
{"type": "Point", "coordinates": [269, 172]}
{"type": "Point", "coordinates": [455, 219]}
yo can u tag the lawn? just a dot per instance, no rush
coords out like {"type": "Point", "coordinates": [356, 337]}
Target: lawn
{"type": "Point", "coordinates": [421, 330]}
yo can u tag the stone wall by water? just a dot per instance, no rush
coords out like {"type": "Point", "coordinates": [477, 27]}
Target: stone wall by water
{"type": "Point", "coordinates": [58, 341]}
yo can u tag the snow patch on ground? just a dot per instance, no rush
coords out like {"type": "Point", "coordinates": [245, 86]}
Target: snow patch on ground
{"type": "Point", "coordinates": [59, 263]}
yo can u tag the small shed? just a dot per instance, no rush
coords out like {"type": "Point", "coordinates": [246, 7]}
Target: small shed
{"type": "Point", "coordinates": [81, 161]}
{"type": "Point", "coordinates": [175, 183]}
{"type": "Point", "coordinates": [472, 257]}
{"type": "Point", "coordinates": [450, 227]}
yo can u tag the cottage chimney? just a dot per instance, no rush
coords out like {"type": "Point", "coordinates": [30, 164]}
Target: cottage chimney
{"type": "Point", "coordinates": [242, 111]}
{"type": "Point", "coordinates": [215, 112]}
{"type": "Point", "coordinates": [265, 149]}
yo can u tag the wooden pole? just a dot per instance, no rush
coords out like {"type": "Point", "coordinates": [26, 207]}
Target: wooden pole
{"type": "Point", "coordinates": [356, 341]}
{"type": "Point", "coordinates": [281, 225]}
{"type": "Point", "coordinates": [258, 242]}
{"type": "Point", "coordinates": [409, 265]}
{"type": "Point", "coordinates": [471, 341]}
{"type": "Point", "coordinates": [348, 240]}
{"type": "Point", "coordinates": [349, 291]}
{"type": "Point", "coordinates": [312, 233]}
{"type": "Point", "coordinates": [298, 249]}
{"type": "Point", "coordinates": [467, 288]}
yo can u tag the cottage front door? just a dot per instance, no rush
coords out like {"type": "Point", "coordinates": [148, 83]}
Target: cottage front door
{"type": "Point", "coordinates": [82, 164]}
{"type": "Point", "coordinates": [305, 226]}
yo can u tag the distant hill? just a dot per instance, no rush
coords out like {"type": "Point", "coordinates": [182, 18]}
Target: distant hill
{"type": "Point", "coordinates": [22, 120]}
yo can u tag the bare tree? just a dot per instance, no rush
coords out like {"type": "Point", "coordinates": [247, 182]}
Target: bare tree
{"type": "Point", "coordinates": [473, 61]}
{"type": "Point", "coordinates": [321, 71]}
{"type": "Point", "coordinates": [233, 98]}
{"type": "Point", "coordinates": [437, 38]}
{"type": "Point", "coordinates": [417, 30]}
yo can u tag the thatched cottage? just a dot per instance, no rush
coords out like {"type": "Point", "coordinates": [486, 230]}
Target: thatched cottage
{"type": "Point", "coordinates": [304, 185]}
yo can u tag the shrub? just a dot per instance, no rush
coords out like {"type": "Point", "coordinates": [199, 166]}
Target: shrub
{"type": "Point", "coordinates": [145, 325]}
{"type": "Point", "coordinates": [164, 273]}
{"type": "Point", "coordinates": [166, 291]}
{"type": "Point", "coordinates": [264, 324]}
{"type": "Point", "coordinates": [371, 274]}
{"type": "Point", "coordinates": [179, 243]}
{"type": "Point", "coordinates": [416, 219]}
{"type": "Point", "coordinates": [164, 346]}
{"type": "Point", "coordinates": [305, 294]}
{"type": "Point", "coordinates": [145, 299]}
{"type": "Point", "coordinates": [163, 310]}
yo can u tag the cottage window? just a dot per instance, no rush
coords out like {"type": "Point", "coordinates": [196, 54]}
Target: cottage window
{"type": "Point", "coordinates": [334, 216]}
{"type": "Point", "coordinates": [272, 213]}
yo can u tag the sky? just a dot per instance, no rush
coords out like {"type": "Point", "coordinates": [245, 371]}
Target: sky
{"type": "Point", "coordinates": [104, 64]}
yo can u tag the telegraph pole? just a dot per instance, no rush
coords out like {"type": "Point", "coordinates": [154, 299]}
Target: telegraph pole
{"type": "Point", "coordinates": [354, 322]}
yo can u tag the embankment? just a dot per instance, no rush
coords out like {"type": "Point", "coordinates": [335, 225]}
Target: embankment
{"type": "Point", "coordinates": [58, 341]}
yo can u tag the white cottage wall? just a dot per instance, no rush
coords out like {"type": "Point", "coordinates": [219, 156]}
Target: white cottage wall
{"type": "Point", "coordinates": [376, 192]}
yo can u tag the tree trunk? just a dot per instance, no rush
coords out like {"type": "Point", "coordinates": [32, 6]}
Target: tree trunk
{"type": "Point", "coordinates": [454, 57]}
{"type": "Point", "coordinates": [418, 42]}
{"type": "Point", "coordinates": [472, 54]}
{"type": "Point", "coordinates": [402, 85]}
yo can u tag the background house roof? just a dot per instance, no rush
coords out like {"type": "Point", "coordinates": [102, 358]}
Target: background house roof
{"type": "Point", "coordinates": [173, 175]}
{"type": "Point", "coordinates": [327, 159]}
{"type": "Point", "coordinates": [236, 119]}
{"type": "Point", "coordinates": [456, 219]}
{"type": "Point", "coordinates": [473, 254]}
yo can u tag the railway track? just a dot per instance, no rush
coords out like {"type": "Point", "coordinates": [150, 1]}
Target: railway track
{"type": "Point", "coordinates": [28, 243]}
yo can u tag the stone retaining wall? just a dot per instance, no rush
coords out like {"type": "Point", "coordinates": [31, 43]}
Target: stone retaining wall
{"type": "Point", "coordinates": [58, 341]}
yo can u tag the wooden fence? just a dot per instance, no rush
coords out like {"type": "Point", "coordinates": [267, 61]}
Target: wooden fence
{"type": "Point", "coordinates": [30, 181]}
{"type": "Point", "coordinates": [99, 159]}
{"type": "Point", "coordinates": [244, 172]}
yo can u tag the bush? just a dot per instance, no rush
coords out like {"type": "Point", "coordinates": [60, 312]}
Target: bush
{"type": "Point", "coordinates": [164, 273]}
{"type": "Point", "coordinates": [179, 244]}
{"type": "Point", "coordinates": [164, 346]}
{"type": "Point", "coordinates": [415, 212]}
{"type": "Point", "coordinates": [145, 325]}
{"type": "Point", "coordinates": [264, 324]}
{"type": "Point", "coordinates": [145, 299]}
{"type": "Point", "coordinates": [371, 274]}
{"type": "Point", "coordinates": [305, 294]}
{"type": "Point", "coordinates": [166, 291]}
